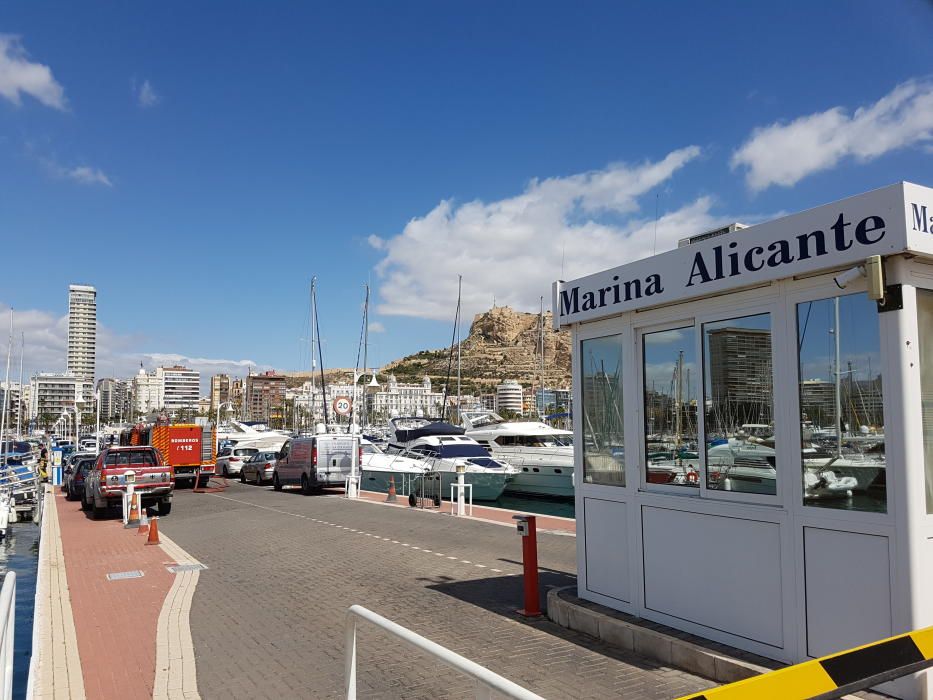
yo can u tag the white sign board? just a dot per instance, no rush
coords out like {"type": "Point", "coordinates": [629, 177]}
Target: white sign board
{"type": "Point", "coordinates": [834, 235]}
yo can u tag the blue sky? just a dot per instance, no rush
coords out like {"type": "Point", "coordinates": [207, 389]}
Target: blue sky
{"type": "Point", "coordinates": [199, 162]}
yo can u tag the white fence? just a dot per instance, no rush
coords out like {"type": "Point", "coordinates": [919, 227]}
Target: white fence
{"type": "Point", "coordinates": [486, 681]}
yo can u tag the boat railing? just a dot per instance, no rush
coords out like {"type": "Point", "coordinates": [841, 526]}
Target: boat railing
{"type": "Point", "coordinates": [7, 623]}
{"type": "Point", "coordinates": [485, 681]}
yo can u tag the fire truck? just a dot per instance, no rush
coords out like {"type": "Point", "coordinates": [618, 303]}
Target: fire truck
{"type": "Point", "coordinates": [190, 449]}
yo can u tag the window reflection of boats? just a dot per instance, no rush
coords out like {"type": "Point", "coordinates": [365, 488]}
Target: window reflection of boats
{"type": "Point", "coordinates": [747, 464]}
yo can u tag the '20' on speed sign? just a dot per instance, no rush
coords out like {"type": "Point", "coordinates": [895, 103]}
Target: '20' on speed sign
{"type": "Point", "coordinates": [342, 405]}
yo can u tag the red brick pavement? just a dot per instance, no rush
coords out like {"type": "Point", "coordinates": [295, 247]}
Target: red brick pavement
{"type": "Point", "coordinates": [115, 621]}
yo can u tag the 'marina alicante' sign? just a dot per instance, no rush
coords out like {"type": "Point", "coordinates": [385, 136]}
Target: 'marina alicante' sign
{"type": "Point", "coordinates": [728, 260]}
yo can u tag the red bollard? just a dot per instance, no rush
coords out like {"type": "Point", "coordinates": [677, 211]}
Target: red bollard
{"type": "Point", "coordinates": [526, 528]}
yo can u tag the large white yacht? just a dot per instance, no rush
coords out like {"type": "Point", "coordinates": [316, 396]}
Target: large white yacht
{"type": "Point", "coordinates": [445, 447]}
{"type": "Point", "coordinates": [542, 455]}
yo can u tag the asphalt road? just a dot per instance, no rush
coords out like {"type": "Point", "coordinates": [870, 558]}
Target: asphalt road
{"type": "Point", "coordinates": [268, 615]}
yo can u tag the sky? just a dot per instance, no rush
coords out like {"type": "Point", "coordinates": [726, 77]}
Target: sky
{"type": "Point", "coordinates": [199, 163]}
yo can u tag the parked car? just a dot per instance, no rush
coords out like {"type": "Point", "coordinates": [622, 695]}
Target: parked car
{"type": "Point", "coordinates": [230, 460]}
{"type": "Point", "coordinates": [259, 468]}
{"type": "Point", "coordinates": [105, 482]}
{"type": "Point", "coordinates": [73, 485]}
{"type": "Point", "coordinates": [88, 444]}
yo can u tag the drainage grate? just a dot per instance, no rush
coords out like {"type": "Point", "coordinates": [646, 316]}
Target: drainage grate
{"type": "Point", "coordinates": [181, 568]}
{"type": "Point", "coordinates": [120, 575]}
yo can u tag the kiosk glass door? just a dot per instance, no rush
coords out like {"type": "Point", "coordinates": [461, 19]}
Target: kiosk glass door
{"type": "Point", "coordinates": [671, 395]}
{"type": "Point", "coordinates": [739, 403]}
{"type": "Point", "coordinates": [841, 413]}
{"type": "Point", "coordinates": [603, 428]}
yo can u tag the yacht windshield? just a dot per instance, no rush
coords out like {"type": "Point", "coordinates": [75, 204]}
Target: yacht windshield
{"type": "Point", "coordinates": [461, 449]}
{"type": "Point", "coordinates": [371, 450]}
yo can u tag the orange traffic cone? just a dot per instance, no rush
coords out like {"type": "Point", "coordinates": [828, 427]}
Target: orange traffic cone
{"type": "Point", "coordinates": [133, 518]}
{"type": "Point", "coordinates": [154, 531]}
{"type": "Point", "coordinates": [143, 524]}
{"type": "Point", "coordinates": [391, 497]}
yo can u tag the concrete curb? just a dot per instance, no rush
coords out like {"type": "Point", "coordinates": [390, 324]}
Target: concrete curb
{"type": "Point", "coordinates": [648, 643]}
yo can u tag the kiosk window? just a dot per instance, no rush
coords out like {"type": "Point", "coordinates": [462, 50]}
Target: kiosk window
{"type": "Point", "coordinates": [841, 417]}
{"type": "Point", "coordinates": [670, 390]}
{"type": "Point", "coordinates": [603, 438]}
{"type": "Point", "coordinates": [739, 405]}
{"type": "Point", "coordinates": [925, 324]}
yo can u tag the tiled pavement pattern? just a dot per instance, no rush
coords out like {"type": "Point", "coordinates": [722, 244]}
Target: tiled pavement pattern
{"type": "Point", "coordinates": [268, 615]}
{"type": "Point", "coordinates": [115, 620]}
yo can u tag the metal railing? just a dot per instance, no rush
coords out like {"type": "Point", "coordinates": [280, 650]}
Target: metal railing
{"type": "Point", "coordinates": [485, 680]}
{"type": "Point", "coordinates": [7, 617]}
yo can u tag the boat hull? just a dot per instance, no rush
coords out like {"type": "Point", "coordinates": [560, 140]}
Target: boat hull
{"type": "Point", "coordinates": [486, 486]}
{"type": "Point", "coordinates": [542, 483]}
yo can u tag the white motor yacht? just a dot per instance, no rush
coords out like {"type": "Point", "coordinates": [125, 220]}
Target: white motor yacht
{"type": "Point", "coordinates": [445, 447]}
{"type": "Point", "coordinates": [379, 469]}
{"type": "Point", "coordinates": [541, 455]}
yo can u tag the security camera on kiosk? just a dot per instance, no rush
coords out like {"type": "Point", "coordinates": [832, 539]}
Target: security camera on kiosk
{"type": "Point", "coordinates": [844, 279]}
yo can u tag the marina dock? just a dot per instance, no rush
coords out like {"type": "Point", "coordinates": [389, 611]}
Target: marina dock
{"type": "Point", "coordinates": [263, 615]}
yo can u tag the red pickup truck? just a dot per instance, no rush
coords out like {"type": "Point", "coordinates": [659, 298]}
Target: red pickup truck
{"type": "Point", "coordinates": [106, 481]}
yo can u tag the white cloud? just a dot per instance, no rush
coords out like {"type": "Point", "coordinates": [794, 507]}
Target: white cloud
{"type": "Point", "coordinates": [19, 75]}
{"type": "Point", "coordinates": [146, 95]}
{"type": "Point", "coordinates": [88, 176]}
{"type": "Point", "coordinates": [377, 327]}
{"type": "Point", "coordinates": [785, 153]}
{"type": "Point", "coordinates": [512, 249]}
{"type": "Point", "coordinates": [81, 174]}
{"type": "Point", "coordinates": [46, 336]}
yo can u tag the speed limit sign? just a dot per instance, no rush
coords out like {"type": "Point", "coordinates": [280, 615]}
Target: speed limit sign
{"type": "Point", "coordinates": [342, 405]}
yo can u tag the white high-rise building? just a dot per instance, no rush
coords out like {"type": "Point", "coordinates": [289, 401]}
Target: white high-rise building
{"type": "Point", "coordinates": [147, 392]}
{"type": "Point", "coordinates": [181, 387]}
{"type": "Point", "coordinates": [509, 397]}
{"type": "Point", "coordinates": [53, 394]}
{"type": "Point", "coordinates": [82, 336]}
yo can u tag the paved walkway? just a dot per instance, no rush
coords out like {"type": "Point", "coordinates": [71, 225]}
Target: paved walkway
{"type": "Point", "coordinates": [267, 617]}
{"type": "Point", "coordinates": [99, 637]}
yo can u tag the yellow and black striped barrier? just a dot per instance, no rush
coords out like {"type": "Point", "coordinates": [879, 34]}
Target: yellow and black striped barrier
{"type": "Point", "coordinates": [835, 675]}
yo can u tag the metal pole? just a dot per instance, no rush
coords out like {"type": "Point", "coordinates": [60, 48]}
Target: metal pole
{"type": "Point", "coordinates": [97, 436]}
{"type": "Point", "coordinates": [6, 396]}
{"type": "Point", "coordinates": [8, 605]}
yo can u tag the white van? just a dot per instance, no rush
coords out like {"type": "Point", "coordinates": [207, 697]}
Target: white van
{"type": "Point", "coordinates": [316, 462]}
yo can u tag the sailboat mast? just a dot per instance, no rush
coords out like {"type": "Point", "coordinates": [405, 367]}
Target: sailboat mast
{"type": "Point", "coordinates": [365, 349]}
{"type": "Point", "coordinates": [19, 409]}
{"type": "Point", "coordinates": [678, 418]}
{"type": "Point", "coordinates": [838, 380]}
{"type": "Point", "coordinates": [313, 358]}
{"type": "Point", "coordinates": [459, 288]}
{"type": "Point", "coordinates": [6, 396]}
{"type": "Point", "coordinates": [320, 353]}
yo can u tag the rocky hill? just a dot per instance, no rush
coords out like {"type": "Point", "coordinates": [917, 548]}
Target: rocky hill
{"type": "Point", "coordinates": [502, 344]}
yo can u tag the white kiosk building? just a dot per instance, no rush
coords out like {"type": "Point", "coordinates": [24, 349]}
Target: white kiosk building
{"type": "Point", "coordinates": [757, 430]}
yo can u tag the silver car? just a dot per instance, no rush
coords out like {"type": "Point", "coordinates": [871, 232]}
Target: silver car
{"type": "Point", "coordinates": [259, 468]}
{"type": "Point", "coordinates": [230, 460]}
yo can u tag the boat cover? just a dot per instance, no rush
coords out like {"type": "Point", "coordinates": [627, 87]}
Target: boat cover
{"type": "Point", "coordinates": [428, 429]}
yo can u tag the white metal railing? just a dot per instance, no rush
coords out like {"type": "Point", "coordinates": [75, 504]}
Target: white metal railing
{"type": "Point", "coordinates": [486, 681]}
{"type": "Point", "coordinates": [7, 617]}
